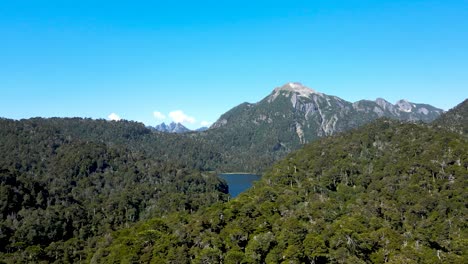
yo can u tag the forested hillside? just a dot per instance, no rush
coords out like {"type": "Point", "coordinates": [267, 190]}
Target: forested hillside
{"type": "Point", "coordinates": [65, 181]}
{"type": "Point", "coordinates": [388, 192]}
{"type": "Point", "coordinates": [456, 119]}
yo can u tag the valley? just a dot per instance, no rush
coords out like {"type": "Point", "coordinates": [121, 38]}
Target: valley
{"type": "Point", "coordinates": [233, 132]}
{"type": "Point", "coordinates": [96, 191]}
{"type": "Point", "coordinates": [386, 192]}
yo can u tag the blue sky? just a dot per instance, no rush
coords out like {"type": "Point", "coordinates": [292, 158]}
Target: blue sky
{"type": "Point", "coordinates": [132, 58]}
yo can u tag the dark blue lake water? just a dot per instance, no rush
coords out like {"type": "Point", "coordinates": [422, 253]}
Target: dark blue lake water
{"type": "Point", "coordinates": [239, 182]}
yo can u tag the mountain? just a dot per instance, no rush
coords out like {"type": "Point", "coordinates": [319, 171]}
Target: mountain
{"type": "Point", "coordinates": [172, 128]}
{"type": "Point", "coordinates": [310, 114]}
{"type": "Point", "coordinates": [456, 119]}
{"type": "Point", "coordinates": [388, 192]}
{"type": "Point", "coordinates": [293, 115]}
{"type": "Point", "coordinates": [201, 129]}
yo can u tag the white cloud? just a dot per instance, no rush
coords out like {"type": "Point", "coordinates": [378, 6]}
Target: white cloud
{"type": "Point", "coordinates": [205, 123]}
{"type": "Point", "coordinates": [179, 117]}
{"type": "Point", "coordinates": [114, 117]}
{"type": "Point", "coordinates": [159, 115]}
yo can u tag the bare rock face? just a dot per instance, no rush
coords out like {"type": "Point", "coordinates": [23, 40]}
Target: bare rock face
{"type": "Point", "coordinates": [404, 106]}
{"type": "Point", "coordinates": [382, 103]}
{"type": "Point", "coordinates": [219, 123]}
{"type": "Point", "coordinates": [292, 88]}
{"type": "Point", "coordinates": [172, 128]}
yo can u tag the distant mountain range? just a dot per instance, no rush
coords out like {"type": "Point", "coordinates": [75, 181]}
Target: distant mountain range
{"type": "Point", "coordinates": [175, 128]}
{"type": "Point", "coordinates": [292, 115]}
{"type": "Point", "coordinates": [172, 128]}
{"type": "Point", "coordinates": [310, 114]}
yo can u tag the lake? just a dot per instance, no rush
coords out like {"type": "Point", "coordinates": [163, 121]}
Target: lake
{"type": "Point", "coordinates": [239, 182]}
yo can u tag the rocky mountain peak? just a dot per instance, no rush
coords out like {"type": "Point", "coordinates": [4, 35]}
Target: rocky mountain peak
{"type": "Point", "coordinates": [296, 87]}
{"type": "Point", "coordinates": [172, 128]}
{"type": "Point", "coordinates": [404, 105]}
{"type": "Point", "coordinates": [384, 104]}
{"type": "Point", "coordinates": [292, 87]}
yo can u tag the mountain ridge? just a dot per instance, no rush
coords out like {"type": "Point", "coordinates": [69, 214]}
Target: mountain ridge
{"type": "Point", "coordinates": [293, 115]}
{"type": "Point", "coordinates": [308, 100]}
{"type": "Point", "coordinates": [456, 119]}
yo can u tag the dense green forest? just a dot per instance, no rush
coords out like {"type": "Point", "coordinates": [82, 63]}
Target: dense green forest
{"type": "Point", "coordinates": [455, 120]}
{"type": "Point", "coordinates": [206, 151]}
{"type": "Point", "coordinates": [93, 191]}
{"type": "Point", "coordinates": [65, 181]}
{"type": "Point", "coordinates": [388, 192]}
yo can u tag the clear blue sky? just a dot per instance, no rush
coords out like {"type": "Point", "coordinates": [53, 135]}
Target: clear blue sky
{"type": "Point", "coordinates": [89, 59]}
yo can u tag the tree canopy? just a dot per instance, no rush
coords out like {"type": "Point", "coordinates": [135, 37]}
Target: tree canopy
{"type": "Point", "coordinates": [64, 182]}
{"type": "Point", "coordinates": [388, 192]}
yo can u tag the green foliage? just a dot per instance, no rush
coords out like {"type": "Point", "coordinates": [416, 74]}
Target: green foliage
{"type": "Point", "coordinates": [81, 190]}
{"type": "Point", "coordinates": [456, 119]}
{"type": "Point", "coordinates": [388, 192]}
{"type": "Point", "coordinates": [65, 181]}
